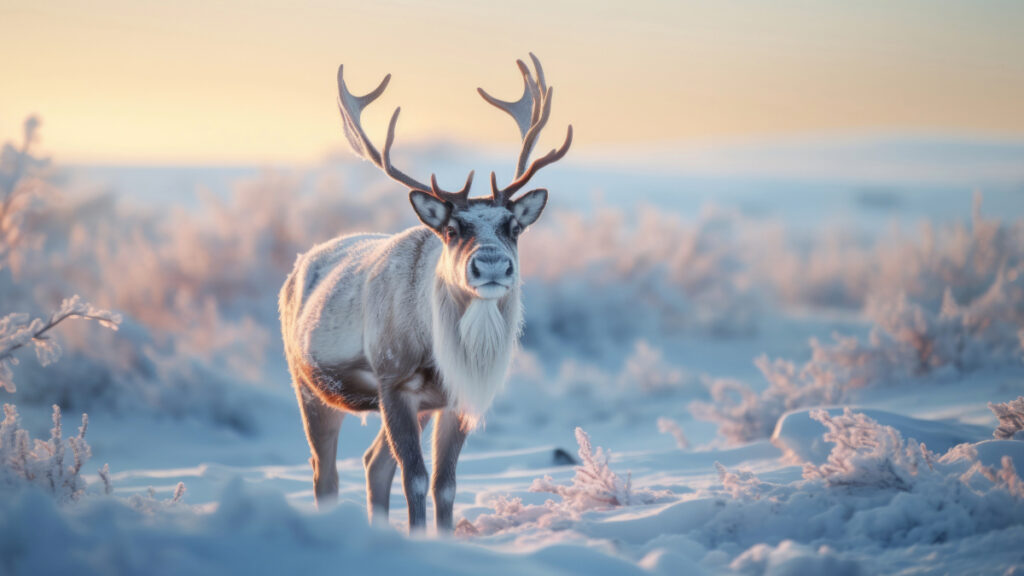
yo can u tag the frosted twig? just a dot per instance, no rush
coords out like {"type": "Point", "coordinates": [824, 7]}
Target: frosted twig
{"type": "Point", "coordinates": [17, 332]}
{"type": "Point", "coordinates": [1011, 417]}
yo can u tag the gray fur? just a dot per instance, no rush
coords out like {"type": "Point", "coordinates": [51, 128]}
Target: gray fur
{"type": "Point", "coordinates": [425, 320]}
{"type": "Point", "coordinates": [449, 436]}
{"type": "Point", "coordinates": [404, 325]}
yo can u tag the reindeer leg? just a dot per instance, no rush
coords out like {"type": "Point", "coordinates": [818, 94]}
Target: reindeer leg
{"type": "Point", "coordinates": [322, 424]}
{"type": "Point", "coordinates": [380, 471]}
{"type": "Point", "coordinates": [401, 424]}
{"type": "Point", "coordinates": [449, 437]}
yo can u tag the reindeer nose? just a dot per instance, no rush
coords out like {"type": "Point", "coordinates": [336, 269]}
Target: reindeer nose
{"type": "Point", "coordinates": [490, 267]}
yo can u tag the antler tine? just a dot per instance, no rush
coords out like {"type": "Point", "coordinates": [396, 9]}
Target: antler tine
{"type": "Point", "coordinates": [529, 111]}
{"type": "Point", "coordinates": [537, 96]}
{"type": "Point", "coordinates": [531, 137]}
{"type": "Point", "coordinates": [503, 195]}
{"type": "Point", "coordinates": [386, 165]}
{"type": "Point", "coordinates": [540, 73]}
{"type": "Point", "coordinates": [460, 198]}
{"type": "Point", "coordinates": [351, 107]}
{"type": "Point", "coordinates": [522, 110]}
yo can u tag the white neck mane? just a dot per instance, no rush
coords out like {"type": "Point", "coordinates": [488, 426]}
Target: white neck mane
{"type": "Point", "coordinates": [473, 349]}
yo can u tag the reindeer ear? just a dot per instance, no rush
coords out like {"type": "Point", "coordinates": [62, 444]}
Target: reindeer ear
{"type": "Point", "coordinates": [432, 211]}
{"type": "Point", "coordinates": [529, 206]}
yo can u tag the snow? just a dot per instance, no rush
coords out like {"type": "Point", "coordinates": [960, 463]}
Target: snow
{"type": "Point", "coordinates": [720, 387]}
{"type": "Point", "coordinates": [802, 436]}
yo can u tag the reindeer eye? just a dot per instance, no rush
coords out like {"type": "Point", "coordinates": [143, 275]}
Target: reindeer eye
{"type": "Point", "coordinates": [516, 230]}
{"type": "Point", "coordinates": [450, 233]}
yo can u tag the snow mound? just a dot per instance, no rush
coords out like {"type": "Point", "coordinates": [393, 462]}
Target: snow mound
{"type": "Point", "coordinates": [991, 452]}
{"type": "Point", "coordinates": [801, 437]}
{"type": "Point", "coordinates": [249, 533]}
{"type": "Point", "coordinates": [793, 559]}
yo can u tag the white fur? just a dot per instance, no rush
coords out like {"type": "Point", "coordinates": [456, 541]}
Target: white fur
{"type": "Point", "coordinates": [528, 208]}
{"type": "Point", "coordinates": [419, 485]}
{"type": "Point", "coordinates": [431, 211]}
{"type": "Point", "coordinates": [474, 357]}
{"type": "Point", "coordinates": [323, 330]}
{"type": "Point", "coordinates": [447, 494]}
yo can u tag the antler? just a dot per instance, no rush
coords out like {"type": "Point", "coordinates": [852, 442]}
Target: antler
{"type": "Point", "coordinates": [531, 114]}
{"type": "Point", "coordinates": [351, 107]}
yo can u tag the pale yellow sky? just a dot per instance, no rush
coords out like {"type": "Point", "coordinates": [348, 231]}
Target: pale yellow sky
{"type": "Point", "coordinates": [204, 81]}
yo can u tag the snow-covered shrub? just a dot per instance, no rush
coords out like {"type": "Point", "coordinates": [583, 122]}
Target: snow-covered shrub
{"type": "Point", "coordinates": [594, 487]}
{"type": "Point", "coordinates": [42, 463]}
{"type": "Point", "coordinates": [744, 415]}
{"type": "Point", "coordinates": [839, 270]}
{"type": "Point", "coordinates": [231, 253]}
{"type": "Point", "coordinates": [598, 282]}
{"type": "Point", "coordinates": [741, 485]}
{"type": "Point", "coordinates": [961, 337]}
{"type": "Point", "coordinates": [907, 341]}
{"type": "Point", "coordinates": [866, 453]}
{"type": "Point", "coordinates": [647, 371]}
{"type": "Point", "coordinates": [1011, 418]}
{"type": "Point", "coordinates": [876, 490]}
{"type": "Point", "coordinates": [193, 331]}
{"type": "Point", "coordinates": [964, 259]}
{"type": "Point", "coordinates": [869, 454]}
{"type": "Point", "coordinates": [595, 282]}
{"type": "Point", "coordinates": [148, 503]}
{"type": "Point", "coordinates": [509, 513]}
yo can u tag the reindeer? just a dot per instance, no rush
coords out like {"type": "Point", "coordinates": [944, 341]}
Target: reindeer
{"type": "Point", "coordinates": [417, 323]}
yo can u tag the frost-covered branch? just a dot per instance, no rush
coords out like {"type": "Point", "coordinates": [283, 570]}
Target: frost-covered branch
{"type": "Point", "coordinates": [42, 463]}
{"type": "Point", "coordinates": [17, 331]}
{"type": "Point", "coordinates": [1011, 418]}
{"type": "Point", "coordinates": [1004, 477]}
{"type": "Point", "coordinates": [670, 426]}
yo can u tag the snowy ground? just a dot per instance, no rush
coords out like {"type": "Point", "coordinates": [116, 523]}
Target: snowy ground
{"type": "Point", "coordinates": [719, 494]}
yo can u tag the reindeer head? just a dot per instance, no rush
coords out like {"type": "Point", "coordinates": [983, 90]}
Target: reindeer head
{"type": "Point", "coordinates": [480, 235]}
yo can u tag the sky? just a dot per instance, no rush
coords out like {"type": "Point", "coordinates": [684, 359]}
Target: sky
{"type": "Point", "coordinates": [214, 82]}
